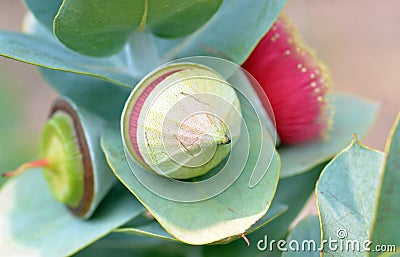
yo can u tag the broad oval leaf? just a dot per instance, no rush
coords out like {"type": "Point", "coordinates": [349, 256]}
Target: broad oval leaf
{"type": "Point", "coordinates": [228, 214]}
{"type": "Point", "coordinates": [232, 33]}
{"type": "Point", "coordinates": [387, 207]}
{"type": "Point", "coordinates": [351, 115]}
{"type": "Point", "coordinates": [346, 194]}
{"type": "Point", "coordinates": [36, 225]}
{"type": "Point", "coordinates": [307, 236]}
{"type": "Point", "coordinates": [154, 229]}
{"type": "Point", "coordinates": [293, 192]}
{"type": "Point", "coordinates": [172, 18]}
{"type": "Point", "coordinates": [101, 27]}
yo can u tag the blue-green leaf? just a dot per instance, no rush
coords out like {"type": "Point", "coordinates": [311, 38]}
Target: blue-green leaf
{"type": "Point", "coordinates": [307, 235]}
{"type": "Point", "coordinates": [33, 224]}
{"type": "Point", "coordinates": [346, 194]}
{"type": "Point", "coordinates": [387, 208]}
{"type": "Point", "coordinates": [123, 245]}
{"type": "Point", "coordinates": [154, 229]}
{"type": "Point", "coordinates": [293, 192]}
{"type": "Point", "coordinates": [97, 96]}
{"type": "Point", "coordinates": [51, 54]}
{"type": "Point", "coordinates": [228, 214]}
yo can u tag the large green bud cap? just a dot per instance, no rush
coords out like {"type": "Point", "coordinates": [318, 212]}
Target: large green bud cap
{"type": "Point", "coordinates": [181, 121]}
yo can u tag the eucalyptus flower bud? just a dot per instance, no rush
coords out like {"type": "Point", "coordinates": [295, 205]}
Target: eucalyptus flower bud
{"type": "Point", "coordinates": [181, 121]}
{"type": "Point", "coordinates": [71, 159]}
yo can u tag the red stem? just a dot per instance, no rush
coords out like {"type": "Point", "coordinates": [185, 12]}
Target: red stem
{"type": "Point", "coordinates": [246, 239]}
{"type": "Point", "coordinates": [23, 167]}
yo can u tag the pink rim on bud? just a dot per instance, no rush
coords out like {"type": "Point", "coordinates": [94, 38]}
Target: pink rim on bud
{"type": "Point", "coordinates": [295, 81]}
{"type": "Point", "coordinates": [138, 107]}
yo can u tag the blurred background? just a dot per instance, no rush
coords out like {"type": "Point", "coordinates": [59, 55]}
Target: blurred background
{"type": "Point", "coordinates": [358, 40]}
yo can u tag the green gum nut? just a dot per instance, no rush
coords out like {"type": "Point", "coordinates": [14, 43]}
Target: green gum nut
{"type": "Point", "coordinates": [65, 170]}
{"type": "Point", "coordinates": [181, 121]}
{"type": "Point", "coordinates": [76, 171]}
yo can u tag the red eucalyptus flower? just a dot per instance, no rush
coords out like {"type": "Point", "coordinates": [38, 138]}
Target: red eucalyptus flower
{"type": "Point", "coordinates": [294, 80]}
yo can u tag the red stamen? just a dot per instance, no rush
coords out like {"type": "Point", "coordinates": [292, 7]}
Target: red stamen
{"type": "Point", "coordinates": [294, 80]}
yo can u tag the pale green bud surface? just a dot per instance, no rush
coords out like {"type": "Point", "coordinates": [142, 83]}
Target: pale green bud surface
{"type": "Point", "coordinates": [181, 121]}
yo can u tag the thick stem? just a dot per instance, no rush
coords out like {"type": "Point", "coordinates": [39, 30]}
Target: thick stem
{"type": "Point", "coordinates": [35, 164]}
